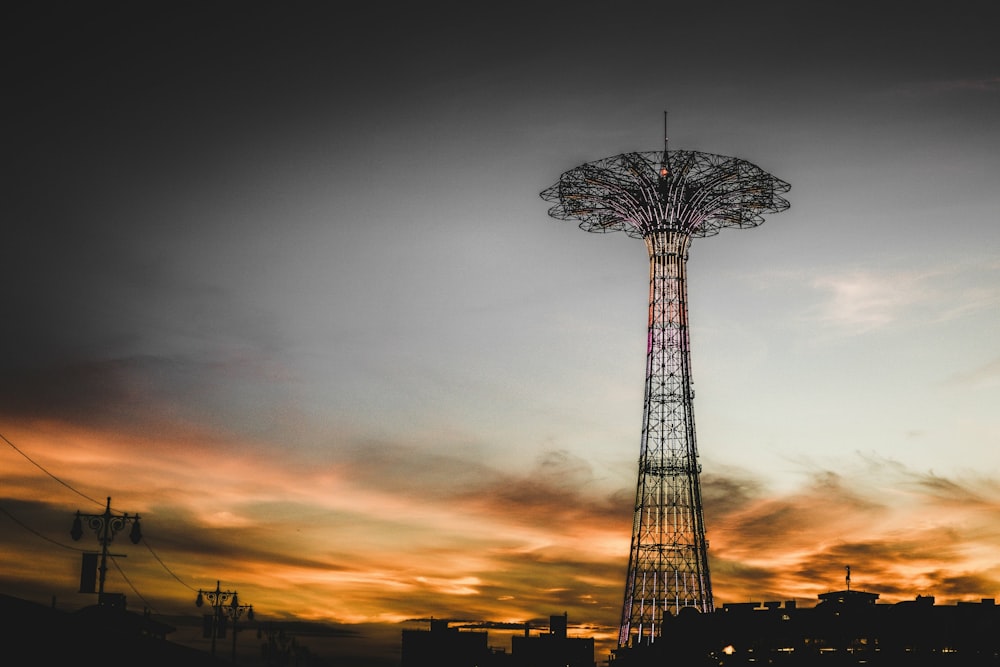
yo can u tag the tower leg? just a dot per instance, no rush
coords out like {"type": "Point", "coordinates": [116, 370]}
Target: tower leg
{"type": "Point", "coordinates": [668, 560]}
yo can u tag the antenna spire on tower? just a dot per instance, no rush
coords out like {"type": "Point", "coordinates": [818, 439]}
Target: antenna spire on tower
{"type": "Point", "coordinates": [666, 138]}
{"type": "Point", "coordinates": [665, 161]}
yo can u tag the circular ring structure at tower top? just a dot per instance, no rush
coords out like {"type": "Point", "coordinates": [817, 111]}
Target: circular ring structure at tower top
{"type": "Point", "coordinates": [690, 192]}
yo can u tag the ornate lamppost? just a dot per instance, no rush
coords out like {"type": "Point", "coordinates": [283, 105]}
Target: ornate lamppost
{"type": "Point", "coordinates": [217, 599]}
{"type": "Point", "coordinates": [106, 525]}
{"type": "Point", "coordinates": [234, 611]}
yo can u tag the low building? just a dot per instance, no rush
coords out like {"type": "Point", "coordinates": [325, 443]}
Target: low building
{"type": "Point", "coordinates": [445, 646]}
{"type": "Point", "coordinates": [844, 628]}
{"type": "Point", "coordinates": [553, 648]}
{"type": "Point", "coordinates": [107, 635]}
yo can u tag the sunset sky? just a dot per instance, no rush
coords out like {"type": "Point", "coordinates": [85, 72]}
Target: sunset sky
{"type": "Point", "coordinates": [279, 279]}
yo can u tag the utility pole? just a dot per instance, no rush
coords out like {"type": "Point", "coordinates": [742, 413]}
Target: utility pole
{"type": "Point", "coordinates": [234, 611]}
{"type": "Point", "coordinates": [106, 525]}
{"type": "Point", "coordinates": [220, 611]}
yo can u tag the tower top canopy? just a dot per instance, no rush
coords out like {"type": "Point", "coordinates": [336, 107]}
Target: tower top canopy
{"type": "Point", "coordinates": [689, 192]}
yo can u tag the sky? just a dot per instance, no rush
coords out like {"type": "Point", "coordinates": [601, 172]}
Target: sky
{"type": "Point", "coordinates": [278, 278]}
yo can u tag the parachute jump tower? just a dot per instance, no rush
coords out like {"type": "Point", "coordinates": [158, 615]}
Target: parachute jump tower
{"type": "Point", "coordinates": [666, 199]}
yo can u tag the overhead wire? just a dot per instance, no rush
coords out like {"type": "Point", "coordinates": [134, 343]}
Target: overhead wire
{"type": "Point", "coordinates": [65, 546]}
{"type": "Point", "coordinates": [42, 468]}
{"type": "Point", "coordinates": [35, 532]}
{"type": "Point", "coordinates": [164, 565]}
{"type": "Point", "coordinates": [128, 581]}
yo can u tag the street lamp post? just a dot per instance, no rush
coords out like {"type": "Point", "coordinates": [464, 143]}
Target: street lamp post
{"type": "Point", "coordinates": [217, 599]}
{"type": "Point", "coordinates": [234, 611]}
{"type": "Point", "coordinates": [106, 525]}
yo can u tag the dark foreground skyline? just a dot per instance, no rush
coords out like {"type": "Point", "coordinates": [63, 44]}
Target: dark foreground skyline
{"type": "Point", "coordinates": [846, 626]}
{"type": "Point", "coordinates": [279, 279]}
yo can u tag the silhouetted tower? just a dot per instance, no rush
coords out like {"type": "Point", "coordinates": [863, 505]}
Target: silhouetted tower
{"type": "Point", "coordinates": [666, 199]}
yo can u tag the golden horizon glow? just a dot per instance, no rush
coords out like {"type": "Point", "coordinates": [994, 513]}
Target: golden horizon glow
{"type": "Point", "coordinates": [308, 542]}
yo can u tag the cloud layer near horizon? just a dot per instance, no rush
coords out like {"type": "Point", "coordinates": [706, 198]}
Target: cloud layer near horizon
{"type": "Point", "coordinates": [383, 533]}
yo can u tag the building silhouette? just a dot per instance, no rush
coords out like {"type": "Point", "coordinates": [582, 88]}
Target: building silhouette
{"type": "Point", "coordinates": [846, 627]}
{"type": "Point", "coordinates": [553, 648]}
{"type": "Point", "coordinates": [106, 635]}
{"type": "Point", "coordinates": [446, 646]}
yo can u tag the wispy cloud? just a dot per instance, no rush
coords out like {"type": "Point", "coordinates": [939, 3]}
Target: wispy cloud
{"type": "Point", "coordinates": [987, 375]}
{"type": "Point", "coordinates": [865, 300]}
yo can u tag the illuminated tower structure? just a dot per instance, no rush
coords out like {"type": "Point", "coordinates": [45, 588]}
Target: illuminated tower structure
{"type": "Point", "coordinates": [666, 199]}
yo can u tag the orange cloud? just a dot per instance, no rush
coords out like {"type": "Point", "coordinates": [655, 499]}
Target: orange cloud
{"type": "Point", "coordinates": [382, 534]}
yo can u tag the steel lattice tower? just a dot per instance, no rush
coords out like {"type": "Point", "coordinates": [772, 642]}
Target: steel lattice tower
{"type": "Point", "coordinates": [666, 199]}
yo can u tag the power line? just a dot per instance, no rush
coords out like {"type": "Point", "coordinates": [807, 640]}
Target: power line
{"type": "Point", "coordinates": [35, 532]}
{"type": "Point", "coordinates": [129, 582]}
{"type": "Point", "coordinates": [164, 565]}
{"type": "Point", "coordinates": [64, 546]}
{"type": "Point", "coordinates": [40, 467]}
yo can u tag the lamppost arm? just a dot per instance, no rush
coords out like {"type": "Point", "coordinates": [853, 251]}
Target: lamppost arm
{"type": "Point", "coordinates": [106, 525]}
